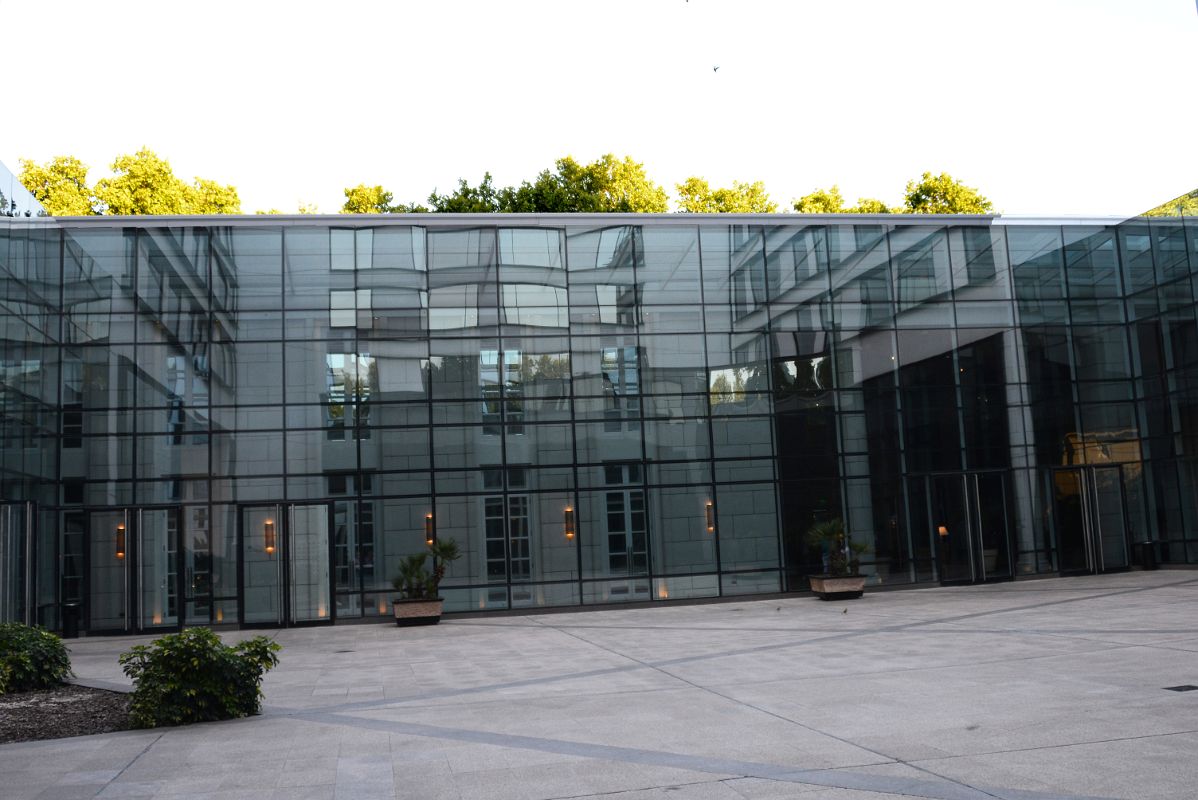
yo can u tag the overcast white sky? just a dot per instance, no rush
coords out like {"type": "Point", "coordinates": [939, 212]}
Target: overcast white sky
{"type": "Point", "coordinates": [1048, 106]}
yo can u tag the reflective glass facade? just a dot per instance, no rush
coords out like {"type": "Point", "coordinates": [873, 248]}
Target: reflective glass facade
{"type": "Point", "coordinates": [250, 421]}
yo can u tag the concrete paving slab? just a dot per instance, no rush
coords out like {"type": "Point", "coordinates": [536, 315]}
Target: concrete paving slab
{"type": "Point", "coordinates": [1024, 691]}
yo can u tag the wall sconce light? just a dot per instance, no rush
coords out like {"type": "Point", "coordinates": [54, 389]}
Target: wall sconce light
{"type": "Point", "coordinates": [268, 537]}
{"type": "Point", "coordinates": [120, 540]}
{"type": "Point", "coordinates": [710, 517]}
{"type": "Point", "coordinates": [430, 529]}
{"type": "Point", "coordinates": [569, 523]}
{"type": "Point", "coordinates": [942, 530]}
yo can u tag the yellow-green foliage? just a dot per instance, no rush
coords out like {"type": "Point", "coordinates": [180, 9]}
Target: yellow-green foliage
{"type": "Point", "coordinates": [696, 196]}
{"type": "Point", "coordinates": [142, 183]}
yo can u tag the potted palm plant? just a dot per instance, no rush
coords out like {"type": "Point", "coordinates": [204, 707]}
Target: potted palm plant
{"type": "Point", "coordinates": [417, 582]}
{"type": "Point", "coordinates": [842, 581]}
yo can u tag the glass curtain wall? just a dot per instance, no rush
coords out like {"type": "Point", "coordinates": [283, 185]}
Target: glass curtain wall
{"type": "Point", "coordinates": [596, 411]}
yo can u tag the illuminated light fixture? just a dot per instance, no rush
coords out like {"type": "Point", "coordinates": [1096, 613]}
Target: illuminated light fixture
{"type": "Point", "coordinates": [942, 530]}
{"type": "Point", "coordinates": [569, 523]}
{"type": "Point", "coordinates": [120, 540]}
{"type": "Point", "coordinates": [268, 537]}
{"type": "Point", "coordinates": [710, 517]}
{"type": "Point", "coordinates": [430, 529]}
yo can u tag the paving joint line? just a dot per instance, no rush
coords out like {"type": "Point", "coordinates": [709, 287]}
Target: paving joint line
{"type": "Point", "coordinates": [133, 761]}
{"type": "Point", "coordinates": [1058, 746]}
{"type": "Point", "coordinates": [889, 758]}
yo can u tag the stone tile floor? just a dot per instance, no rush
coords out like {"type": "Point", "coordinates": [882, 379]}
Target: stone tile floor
{"type": "Point", "coordinates": [1024, 691]}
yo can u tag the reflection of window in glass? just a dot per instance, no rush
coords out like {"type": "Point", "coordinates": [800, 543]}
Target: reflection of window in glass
{"type": "Point", "coordinates": [351, 249]}
{"type": "Point", "coordinates": [488, 379]}
{"type": "Point", "coordinates": [727, 386]}
{"type": "Point", "coordinates": [531, 247]}
{"type": "Point", "coordinates": [170, 573]}
{"type": "Point", "coordinates": [349, 378]}
{"type": "Point", "coordinates": [979, 254]}
{"type": "Point", "coordinates": [617, 304]}
{"type": "Point", "coordinates": [620, 368]}
{"type": "Point", "coordinates": [508, 538]}
{"type": "Point", "coordinates": [518, 537]}
{"type": "Point", "coordinates": [72, 403]}
{"type": "Point", "coordinates": [506, 403]}
{"type": "Point", "coordinates": [453, 307]}
{"type": "Point", "coordinates": [341, 248]}
{"type": "Point", "coordinates": [916, 267]}
{"type": "Point", "coordinates": [493, 530]}
{"type": "Point", "coordinates": [351, 308]}
{"type": "Point", "coordinates": [627, 530]}
{"type": "Point", "coordinates": [535, 305]}
{"type": "Point", "coordinates": [506, 524]}
{"type": "Point", "coordinates": [176, 390]}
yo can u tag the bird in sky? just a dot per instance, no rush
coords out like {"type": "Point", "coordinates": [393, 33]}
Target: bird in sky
{"type": "Point", "coordinates": [715, 69]}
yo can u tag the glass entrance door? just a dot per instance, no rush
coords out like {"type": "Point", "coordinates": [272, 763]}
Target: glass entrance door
{"type": "Point", "coordinates": [309, 577]}
{"type": "Point", "coordinates": [285, 564]}
{"type": "Point", "coordinates": [16, 563]}
{"type": "Point", "coordinates": [132, 570]}
{"type": "Point", "coordinates": [1090, 519]}
{"type": "Point", "coordinates": [968, 522]}
{"type": "Point", "coordinates": [156, 557]}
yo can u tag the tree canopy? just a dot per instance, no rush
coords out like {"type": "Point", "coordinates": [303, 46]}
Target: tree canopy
{"type": "Point", "coordinates": [830, 201]}
{"type": "Point", "coordinates": [60, 185]}
{"type": "Point", "coordinates": [141, 183]}
{"type": "Point", "coordinates": [144, 183]}
{"type": "Point", "coordinates": [608, 184]}
{"type": "Point", "coordinates": [931, 194]}
{"type": "Point", "coordinates": [363, 199]}
{"type": "Point", "coordinates": [942, 194]}
{"type": "Point", "coordinates": [695, 196]}
{"type": "Point", "coordinates": [1186, 205]}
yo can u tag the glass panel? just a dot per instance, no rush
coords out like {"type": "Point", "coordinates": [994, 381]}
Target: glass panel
{"type": "Point", "coordinates": [158, 568]}
{"type": "Point", "coordinates": [261, 559]}
{"type": "Point", "coordinates": [198, 583]}
{"type": "Point", "coordinates": [1070, 518]}
{"type": "Point", "coordinates": [684, 540]}
{"type": "Point", "coordinates": [13, 558]}
{"type": "Point", "coordinates": [992, 525]}
{"type": "Point", "coordinates": [108, 534]}
{"type": "Point", "coordinates": [748, 527]}
{"type": "Point", "coordinates": [1109, 518]}
{"type": "Point", "coordinates": [308, 559]}
{"type": "Point", "coordinates": [951, 523]}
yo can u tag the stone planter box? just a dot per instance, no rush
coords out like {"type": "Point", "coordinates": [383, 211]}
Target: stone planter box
{"type": "Point", "coordinates": [417, 612]}
{"type": "Point", "coordinates": [837, 587]}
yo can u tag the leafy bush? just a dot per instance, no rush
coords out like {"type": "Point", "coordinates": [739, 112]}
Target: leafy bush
{"type": "Point", "coordinates": [31, 658]}
{"type": "Point", "coordinates": [193, 677]}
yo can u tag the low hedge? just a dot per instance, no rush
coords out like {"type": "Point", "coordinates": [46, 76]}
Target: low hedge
{"type": "Point", "coordinates": [31, 658]}
{"type": "Point", "coordinates": [194, 677]}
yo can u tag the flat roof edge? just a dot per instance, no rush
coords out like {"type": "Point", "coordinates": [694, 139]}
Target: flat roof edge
{"type": "Point", "coordinates": [265, 220]}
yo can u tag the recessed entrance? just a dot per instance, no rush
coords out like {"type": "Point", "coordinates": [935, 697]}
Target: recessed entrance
{"type": "Point", "coordinates": [1090, 519]}
{"type": "Point", "coordinates": [966, 517]}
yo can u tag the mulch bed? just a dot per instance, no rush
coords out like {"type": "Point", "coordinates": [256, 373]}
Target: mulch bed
{"type": "Point", "coordinates": [68, 710]}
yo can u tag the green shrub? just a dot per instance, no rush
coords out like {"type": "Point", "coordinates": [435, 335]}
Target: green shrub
{"type": "Point", "coordinates": [31, 658]}
{"type": "Point", "coordinates": [193, 677]}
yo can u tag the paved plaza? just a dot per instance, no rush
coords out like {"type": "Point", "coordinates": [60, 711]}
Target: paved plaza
{"type": "Point", "coordinates": [1031, 690]}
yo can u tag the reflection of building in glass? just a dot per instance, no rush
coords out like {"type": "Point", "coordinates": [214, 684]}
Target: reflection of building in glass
{"type": "Point", "coordinates": [15, 199]}
{"type": "Point", "coordinates": [263, 417]}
